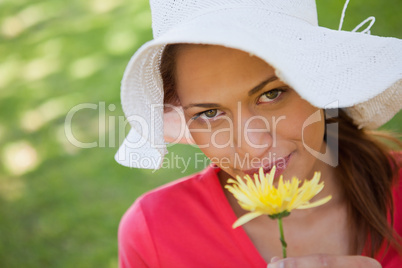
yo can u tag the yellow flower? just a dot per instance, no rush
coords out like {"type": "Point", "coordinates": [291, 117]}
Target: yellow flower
{"type": "Point", "coordinates": [261, 197]}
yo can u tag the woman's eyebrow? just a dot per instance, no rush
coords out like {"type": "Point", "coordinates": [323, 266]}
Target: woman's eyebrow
{"type": "Point", "coordinates": [202, 105]}
{"type": "Point", "coordinates": [251, 92]}
{"type": "Point", "coordinates": [262, 84]}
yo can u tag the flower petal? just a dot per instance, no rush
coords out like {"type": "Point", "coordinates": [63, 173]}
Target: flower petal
{"type": "Point", "coordinates": [246, 218]}
{"type": "Point", "coordinates": [316, 203]}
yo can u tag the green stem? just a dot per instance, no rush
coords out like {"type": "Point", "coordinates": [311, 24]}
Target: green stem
{"type": "Point", "coordinates": [282, 238]}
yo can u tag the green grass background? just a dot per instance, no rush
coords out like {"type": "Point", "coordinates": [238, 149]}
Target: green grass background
{"type": "Point", "coordinates": [60, 205]}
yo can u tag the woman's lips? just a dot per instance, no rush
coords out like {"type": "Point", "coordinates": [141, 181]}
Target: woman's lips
{"type": "Point", "coordinates": [280, 164]}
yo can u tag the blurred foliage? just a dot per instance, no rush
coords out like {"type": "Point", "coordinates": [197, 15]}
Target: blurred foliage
{"type": "Point", "coordinates": [60, 205]}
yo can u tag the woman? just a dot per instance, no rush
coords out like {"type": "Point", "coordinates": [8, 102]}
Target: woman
{"type": "Point", "coordinates": [259, 84]}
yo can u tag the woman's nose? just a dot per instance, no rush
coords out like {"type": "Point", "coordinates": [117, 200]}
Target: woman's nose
{"type": "Point", "coordinates": [253, 134]}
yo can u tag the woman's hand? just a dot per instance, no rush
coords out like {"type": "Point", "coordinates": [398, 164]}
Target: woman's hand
{"type": "Point", "coordinates": [321, 260]}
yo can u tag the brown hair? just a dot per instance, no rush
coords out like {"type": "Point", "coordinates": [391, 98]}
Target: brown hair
{"type": "Point", "coordinates": [167, 69]}
{"type": "Point", "coordinates": [367, 172]}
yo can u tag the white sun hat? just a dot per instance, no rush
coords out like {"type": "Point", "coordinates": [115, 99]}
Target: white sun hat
{"type": "Point", "coordinates": [330, 69]}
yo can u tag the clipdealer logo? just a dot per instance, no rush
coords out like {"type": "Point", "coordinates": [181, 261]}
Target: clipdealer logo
{"type": "Point", "coordinates": [146, 134]}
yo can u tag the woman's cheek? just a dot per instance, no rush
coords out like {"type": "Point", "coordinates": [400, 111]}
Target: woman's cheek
{"type": "Point", "coordinates": [201, 138]}
{"type": "Point", "coordinates": [312, 134]}
{"type": "Point", "coordinates": [297, 126]}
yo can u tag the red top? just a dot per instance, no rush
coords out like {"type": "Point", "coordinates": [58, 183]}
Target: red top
{"type": "Point", "coordinates": [188, 223]}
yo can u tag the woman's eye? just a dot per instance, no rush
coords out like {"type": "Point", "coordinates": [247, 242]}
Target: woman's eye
{"type": "Point", "coordinates": [208, 115]}
{"type": "Point", "coordinates": [211, 113]}
{"type": "Point", "coordinates": [270, 96]}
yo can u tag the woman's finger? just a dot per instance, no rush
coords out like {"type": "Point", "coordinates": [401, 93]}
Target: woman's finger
{"type": "Point", "coordinates": [329, 261]}
{"type": "Point", "coordinates": [275, 259]}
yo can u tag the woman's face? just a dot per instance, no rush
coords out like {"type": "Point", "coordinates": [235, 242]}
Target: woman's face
{"type": "Point", "coordinates": [242, 116]}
